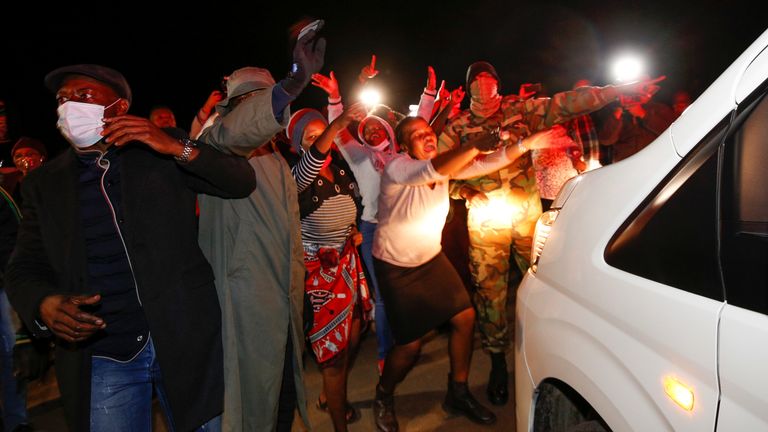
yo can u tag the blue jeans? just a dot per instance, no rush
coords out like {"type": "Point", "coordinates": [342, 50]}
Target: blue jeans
{"type": "Point", "coordinates": [14, 399]}
{"type": "Point", "coordinates": [384, 337]}
{"type": "Point", "coordinates": [121, 394]}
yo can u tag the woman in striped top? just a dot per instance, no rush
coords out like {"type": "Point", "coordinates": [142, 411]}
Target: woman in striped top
{"type": "Point", "coordinates": [335, 283]}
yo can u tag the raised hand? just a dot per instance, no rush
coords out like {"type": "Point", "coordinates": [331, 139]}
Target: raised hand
{"type": "Point", "coordinates": [356, 112]}
{"type": "Point", "coordinates": [120, 130]}
{"type": "Point", "coordinates": [442, 92]}
{"type": "Point", "coordinates": [554, 137]}
{"type": "Point", "coordinates": [527, 90]}
{"type": "Point", "coordinates": [443, 95]}
{"type": "Point", "coordinates": [457, 95]}
{"type": "Point", "coordinates": [431, 80]}
{"type": "Point", "coordinates": [328, 83]}
{"type": "Point", "coordinates": [368, 71]}
{"type": "Point", "coordinates": [643, 88]}
{"type": "Point", "coordinates": [63, 316]}
{"type": "Point", "coordinates": [308, 57]}
{"type": "Point", "coordinates": [215, 97]}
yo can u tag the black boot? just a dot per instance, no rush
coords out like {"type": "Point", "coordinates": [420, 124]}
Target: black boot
{"type": "Point", "coordinates": [497, 390]}
{"type": "Point", "coordinates": [459, 400]}
{"type": "Point", "coordinates": [384, 411]}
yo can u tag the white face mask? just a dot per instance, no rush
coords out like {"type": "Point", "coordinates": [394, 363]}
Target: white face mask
{"type": "Point", "coordinates": [382, 145]}
{"type": "Point", "coordinates": [81, 123]}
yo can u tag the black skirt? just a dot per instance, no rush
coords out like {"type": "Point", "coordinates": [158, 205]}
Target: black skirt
{"type": "Point", "coordinates": [418, 299]}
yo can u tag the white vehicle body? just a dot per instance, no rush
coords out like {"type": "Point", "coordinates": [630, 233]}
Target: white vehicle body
{"type": "Point", "coordinates": [614, 333]}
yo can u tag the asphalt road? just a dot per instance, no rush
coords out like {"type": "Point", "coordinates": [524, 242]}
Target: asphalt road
{"type": "Point", "coordinates": [417, 400]}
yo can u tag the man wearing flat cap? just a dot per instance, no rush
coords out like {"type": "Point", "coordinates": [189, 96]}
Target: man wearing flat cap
{"type": "Point", "coordinates": [107, 261]}
{"type": "Point", "coordinates": [254, 245]}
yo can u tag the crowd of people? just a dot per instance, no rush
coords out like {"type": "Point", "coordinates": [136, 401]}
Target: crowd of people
{"type": "Point", "coordinates": [199, 265]}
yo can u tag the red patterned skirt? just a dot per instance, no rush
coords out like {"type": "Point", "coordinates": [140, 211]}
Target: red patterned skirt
{"type": "Point", "coordinates": [336, 287]}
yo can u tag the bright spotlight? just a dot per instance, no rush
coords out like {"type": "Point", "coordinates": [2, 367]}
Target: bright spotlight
{"type": "Point", "coordinates": [370, 97]}
{"type": "Point", "coordinates": [628, 68]}
{"type": "Point", "coordinates": [413, 110]}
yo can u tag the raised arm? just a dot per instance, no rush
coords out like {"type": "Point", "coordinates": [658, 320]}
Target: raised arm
{"type": "Point", "coordinates": [427, 100]}
{"type": "Point", "coordinates": [550, 138]}
{"type": "Point", "coordinates": [259, 117]}
{"type": "Point", "coordinates": [311, 162]}
{"type": "Point", "coordinates": [546, 112]}
{"type": "Point", "coordinates": [368, 71]}
{"type": "Point", "coordinates": [212, 172]}
{"type": "Point", "coordinates": [356, 112]}
{"type": "Point", "coordinates": [205, 112]}
{"type": "Point", "coordinates": [447, 105]}
{"type": "Point", "coordinates": [353, 151]}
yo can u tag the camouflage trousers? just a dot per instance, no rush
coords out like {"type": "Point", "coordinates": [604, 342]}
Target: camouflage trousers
{"type": "Point", "coordinates": [493, 235]}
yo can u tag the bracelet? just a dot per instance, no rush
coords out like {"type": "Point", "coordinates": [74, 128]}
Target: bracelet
{"type": "Point", "coordinates": [520, 145]}
{"type": "Point", "coordinates": [188, 146]}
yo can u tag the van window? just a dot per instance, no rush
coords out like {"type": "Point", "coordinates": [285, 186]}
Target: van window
{"type": "Point", "coordinates": [672, 237]}
{"type": "Point", "coordinates": [744, 202]}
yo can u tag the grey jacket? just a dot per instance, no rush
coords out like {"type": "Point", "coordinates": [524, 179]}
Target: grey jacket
{"type": "Point", "coordinates": [254, 246]}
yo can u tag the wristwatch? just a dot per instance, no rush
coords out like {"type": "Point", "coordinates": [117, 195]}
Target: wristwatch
{"type": "Point", "coordinates": [188, 146]}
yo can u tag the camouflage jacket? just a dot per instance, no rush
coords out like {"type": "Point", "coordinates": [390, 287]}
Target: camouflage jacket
{"type": "Point", "coordinates": [521, 118]}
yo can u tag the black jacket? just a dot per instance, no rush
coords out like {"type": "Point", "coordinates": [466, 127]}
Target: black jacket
{"type": "Point", "coordinates": [175, 281]}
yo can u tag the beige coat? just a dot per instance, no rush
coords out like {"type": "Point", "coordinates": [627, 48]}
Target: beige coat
{"type": "Point", "coordinates": [254, 246]}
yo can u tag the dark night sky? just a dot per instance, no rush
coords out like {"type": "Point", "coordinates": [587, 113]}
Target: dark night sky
{"type": "Point", "coordinates": [178, 58]}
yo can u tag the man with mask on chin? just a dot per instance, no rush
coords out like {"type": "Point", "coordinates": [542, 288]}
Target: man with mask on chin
{"type": "Point", "coordinates": [503, 207]}
{"type": "Point", "coordinates": [107, 261]}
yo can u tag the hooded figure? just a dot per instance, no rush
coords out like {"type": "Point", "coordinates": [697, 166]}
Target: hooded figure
{"type": "Point", "coordinates": [381, 140]}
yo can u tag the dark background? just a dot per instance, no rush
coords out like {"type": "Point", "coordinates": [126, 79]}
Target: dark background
{"type": "Point", "coordinates": [177, 54]}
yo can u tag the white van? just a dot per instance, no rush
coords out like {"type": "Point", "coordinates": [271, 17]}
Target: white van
{"type": "Point", "coordinates": [646, 307]}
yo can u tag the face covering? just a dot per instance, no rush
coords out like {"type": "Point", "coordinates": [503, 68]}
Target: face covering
{"type": "Point", "coordinates": [382, 145]}
{"type": "Point", "coordinates": [485, 97]}
{"type": "Point", "coordinates": [81, 123]}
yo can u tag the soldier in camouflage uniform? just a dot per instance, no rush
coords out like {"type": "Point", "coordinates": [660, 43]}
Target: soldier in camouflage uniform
{"type": "Point", "coordinates": [504, 206]}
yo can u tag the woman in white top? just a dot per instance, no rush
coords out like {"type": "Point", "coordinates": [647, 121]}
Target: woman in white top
{"type": "Point", "coordinates": [421, 289]}
{"type": "Point", "coordinates": [367, 155]}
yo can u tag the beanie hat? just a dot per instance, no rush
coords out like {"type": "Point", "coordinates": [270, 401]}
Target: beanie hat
{"type": "Point", "coordinates": [299, 120]}
{"type": "Point", "coordinates": [26, 142]}
{"type": "Point", "coordinates": [481, 66]}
